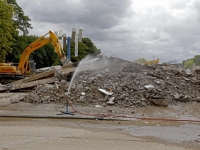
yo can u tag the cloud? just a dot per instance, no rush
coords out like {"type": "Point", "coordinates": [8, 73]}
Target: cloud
{"type": "Point", "coordinates": [165, 29]}
{"type": "Point", "coordinates": [99, 13]}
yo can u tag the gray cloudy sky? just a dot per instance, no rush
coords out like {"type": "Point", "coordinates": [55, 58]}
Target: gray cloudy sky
{"type": "Point", "coordinates": [165, 29]}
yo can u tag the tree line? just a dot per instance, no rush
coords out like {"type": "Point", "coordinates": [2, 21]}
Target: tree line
{"type": "Point", "coordinates": [14, 38]}
{"type": "Point", "coordinates": [188, 64]}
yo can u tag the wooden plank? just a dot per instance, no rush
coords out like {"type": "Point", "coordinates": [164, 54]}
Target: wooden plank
{"type": "Point", "coordinates": [34, 77]}
{"type": "Point", "coordinates": [33, 81]}
{"type": "Point", "coordinates": [31, 84]}
{"type": "Point", "coordinates": [50, 73]}
{"type": "Point", "coordinates": [25, 84]}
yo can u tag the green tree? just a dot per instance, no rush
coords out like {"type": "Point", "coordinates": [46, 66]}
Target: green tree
{"type": "Point", "coordinates": [44, 56]}
{"type": "Point", "coordinates": [140, 60]}
{"type": "Point", "coordinates": [197, 60]}
{"type": "Point", "coordinates": [188, 64]}
{"type": "Point", "coordinates": [7, 29]}
{"type": "Point", "coordinates": [21, 42]}
{"type": "Point", "coordinates": [84, 48]}
{"type": "Point", "coordinates": [19, 18]}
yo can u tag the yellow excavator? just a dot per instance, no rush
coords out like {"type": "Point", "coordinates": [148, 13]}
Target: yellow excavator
{"type": "Point", "coordinates": [152, 62]}
{"type": "Point", "coordinates": [25, 67]}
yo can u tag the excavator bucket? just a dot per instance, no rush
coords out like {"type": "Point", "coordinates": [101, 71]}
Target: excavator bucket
{"type": "Point", "coordinates": [65, 61]}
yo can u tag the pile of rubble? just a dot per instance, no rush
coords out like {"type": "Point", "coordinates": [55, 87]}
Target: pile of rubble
{"type": "Point", "coordinates": [131, 86]}
{"type": "Point", "coordinates": [48, 93]}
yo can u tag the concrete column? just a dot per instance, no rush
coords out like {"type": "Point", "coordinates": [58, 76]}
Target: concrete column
{"type": "Point", "coordinates": [80, 35]}
{"type": "Point", "coordinates": [68, 49]}
{"type": "Point", "coordinates": [76, 45]}
{"type": "Point", "coordinates": [60, 35]}
{"type": "Point", "coordinates": [73, 34]}
{"type": "Point", "coordinates": [64, 41]}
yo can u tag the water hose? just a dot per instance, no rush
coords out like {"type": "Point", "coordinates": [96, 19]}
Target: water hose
{"type": "Point", "coordinates": [128, 117]}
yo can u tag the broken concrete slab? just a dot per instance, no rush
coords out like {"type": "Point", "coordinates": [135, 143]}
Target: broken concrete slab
{"type": "Point", "coordinates": [149, 86]}
{"type": "Point", "coordinates": [111, 101]}
{"type": "Point", "coordinates": [31, 84]}
{"type": "Point", "coordinates": [161, 102]}
{"type": "Point", "coordinates": [16, 100]}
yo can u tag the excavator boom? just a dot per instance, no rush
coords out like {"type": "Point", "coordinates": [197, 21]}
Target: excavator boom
{"type": "Point", "coordinates": [24, 65]}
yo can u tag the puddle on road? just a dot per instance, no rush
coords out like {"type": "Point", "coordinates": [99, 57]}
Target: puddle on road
{"type": "Point", "coordinates": [182, 133]}
{"type": "Point", "coordinates": [176, 132]}
{"type": "Point", "coordinates": [180, 111]}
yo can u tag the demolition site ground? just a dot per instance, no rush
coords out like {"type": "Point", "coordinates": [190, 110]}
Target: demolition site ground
{"type": "Point", "coordinates": [110, 103]}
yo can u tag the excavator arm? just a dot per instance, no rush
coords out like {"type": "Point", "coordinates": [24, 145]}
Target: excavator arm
{"type": "Point", "coordinates": [41, 41]}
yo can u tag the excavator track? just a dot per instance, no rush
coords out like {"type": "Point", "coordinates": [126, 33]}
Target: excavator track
{"type": "Point", "coordinates": [8, 78]}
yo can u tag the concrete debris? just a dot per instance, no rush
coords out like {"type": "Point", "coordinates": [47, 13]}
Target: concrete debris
{"type": "Point", "coordinates": [47, 94]}
{"type": "Point", "coordinates": [16, 100]}
{"type": "Point", "coordinates": [148, 86]}
{"type": "Point", "coordinates": [132, 85]}
{"type": "Point", "coordinates": [188, 71]}
{"type": "Point", "coordinates": [98, 106]}
{"type": "Point", "coordinates": [105, 92]}
{"type": "Point", "coordinates": [111, 101]}
{"type": "Point", "coordinates": [3, 87]}
{"type": "Point", "coordinates": [196, 99]}
{"type": "Point", "coordinates": [58, 71]}
{"type": "Point", "coordinates": [83, 93]}
{"type": "Point", "coordinates": [161, 102]}
{"type": "Point", "coordinates": [47, 69]}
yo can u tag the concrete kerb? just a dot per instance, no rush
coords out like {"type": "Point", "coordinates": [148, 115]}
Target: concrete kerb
{"type": "Point", "coordinates": [64, 117]}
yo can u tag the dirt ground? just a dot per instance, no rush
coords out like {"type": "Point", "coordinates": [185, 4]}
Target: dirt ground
{"type": "Point", "coordinates": [38, 132]}
{"type": "Point", "coordinates": [21, 134]}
